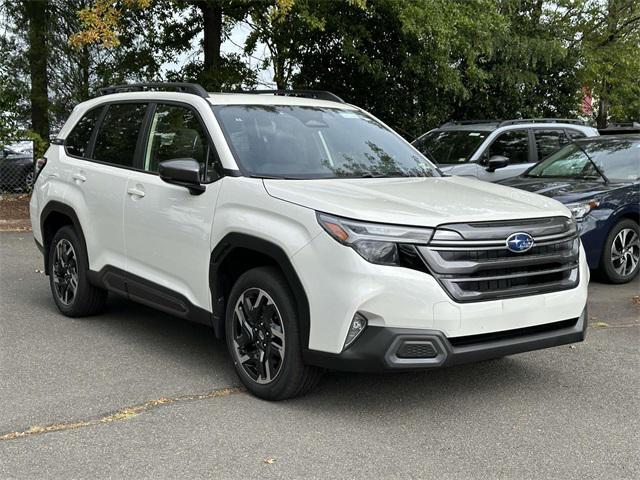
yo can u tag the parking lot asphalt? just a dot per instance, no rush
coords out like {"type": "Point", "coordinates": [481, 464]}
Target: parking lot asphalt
{"type": "Point", "coordinates": [134, 393]}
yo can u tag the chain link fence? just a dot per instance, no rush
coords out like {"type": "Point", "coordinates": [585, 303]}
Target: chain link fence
{"type": "Point", "coordinates": [17, 167]}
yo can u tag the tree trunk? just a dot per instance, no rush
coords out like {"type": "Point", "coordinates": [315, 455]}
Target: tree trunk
{"type": "Point", "coordinates": [85, 60]}
{"type": "Point", "coordinates": [37, 17]}
{"type": "Point", "coordinates": [603, 113]}
{"type": "Point", "coordinates": [212, 16]}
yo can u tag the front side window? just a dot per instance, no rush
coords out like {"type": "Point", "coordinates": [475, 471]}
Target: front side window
{"type": "Point", "coordinates": [450, 147]}
{"type": "Point", "coordinates": [176, 132]}
{"type": "Point", "coordinates": [513, 144]}
{"type": "Point", "coordinates": [549, 141]}
{"type": "Point", "coordinates": [77, 142]}
{"type": "Point", "coordinates": [316, 142]}
{"type": "Point", "coordinates": [617, 159]}
{"type": "Point", "coordinates": [118, 135]}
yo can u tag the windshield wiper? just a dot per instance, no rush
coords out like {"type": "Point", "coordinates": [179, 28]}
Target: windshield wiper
{"type": "Point", "coordinates": [600, 172]}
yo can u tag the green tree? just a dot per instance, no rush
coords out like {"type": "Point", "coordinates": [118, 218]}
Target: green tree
{"type": "Point", "coordinates": [609, 32]}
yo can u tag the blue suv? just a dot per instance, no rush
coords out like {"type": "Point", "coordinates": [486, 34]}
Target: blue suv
{"type": "Point", "coordinates": [598, 179]}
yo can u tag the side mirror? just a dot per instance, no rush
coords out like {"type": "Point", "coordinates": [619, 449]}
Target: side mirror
{"type": "Point", "coordinates": [496, 162]}
{"type": "Point", "coordinates": [184, 172]}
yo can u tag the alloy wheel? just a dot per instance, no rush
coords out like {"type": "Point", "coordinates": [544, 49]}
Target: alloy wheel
{"type": "Point", "coordinates": [258, 335]}
{"type": "Point", "coordinates": [625, 252]}
{"type": "Point", "coordinates": [65, 272]}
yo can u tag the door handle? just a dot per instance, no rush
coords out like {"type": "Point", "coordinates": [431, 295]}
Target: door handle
{"type": "Point", "coordinates": [79, 178]}
{"type": "Point", "coordinates": [135, 192]}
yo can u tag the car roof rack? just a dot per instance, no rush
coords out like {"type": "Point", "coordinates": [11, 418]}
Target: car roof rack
{"type": "Point", "coordinates": [572, 121]}
{"type": "Point", "coordinates": [182, 87]}
{"type": "Point", "coordinates": [315, 94]}
{"type": "Point", "coordinates": [623, 125]}
{"type": "Point", "coordinates": [468, 122]}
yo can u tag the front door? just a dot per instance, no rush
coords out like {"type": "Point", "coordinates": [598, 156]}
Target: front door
{"type": "Point", "coordinates": [167, 229]}
{"type": "Point", "coordinates": [513, 144]}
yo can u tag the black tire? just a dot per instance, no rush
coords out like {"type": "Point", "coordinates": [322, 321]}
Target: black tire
{"type": "Point", "coordinates": [607, 269]}
{"type": "Point", "coordinates": [293, 378]}
{"type": "Point", "coordinates": [87, 299]}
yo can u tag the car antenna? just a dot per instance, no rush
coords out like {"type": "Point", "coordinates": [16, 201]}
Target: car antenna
{"type": "Point", "coordinates": [606, 180]}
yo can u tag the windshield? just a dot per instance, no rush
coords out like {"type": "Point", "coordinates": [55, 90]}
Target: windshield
{"type": "Point", "coordinates": [617, 159]}
{"type": "Point", "coordinates": [287, 141]}
{"type": "Point", "coordinates": [450, 146]}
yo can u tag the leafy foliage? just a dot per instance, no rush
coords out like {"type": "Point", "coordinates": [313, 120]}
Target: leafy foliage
{"type": "Point", "coordinates": [413, 63]}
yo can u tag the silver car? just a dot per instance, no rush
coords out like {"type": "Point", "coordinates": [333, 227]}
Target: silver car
{"type": "Point", "coordinates": [495, 150]}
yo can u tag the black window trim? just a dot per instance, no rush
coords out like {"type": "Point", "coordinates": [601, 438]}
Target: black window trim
{"type": "Point", "coordinates": [142, 135]}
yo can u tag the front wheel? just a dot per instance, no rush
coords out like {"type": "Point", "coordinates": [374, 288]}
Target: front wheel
{"type": "Point", "coordinates": [263, 337]}
{"type": "Point", "coordinates": [621, 254]}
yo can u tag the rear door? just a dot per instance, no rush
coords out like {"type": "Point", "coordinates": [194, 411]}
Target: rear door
{"type": "Point", "coordinates": [513, 144]}
{"type": "Point", "coordinates": [100, 152]}
{"type": "Point", "coordinates": [167, 229]}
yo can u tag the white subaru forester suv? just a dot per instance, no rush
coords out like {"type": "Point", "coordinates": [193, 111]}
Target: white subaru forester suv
{"type": "Point", "coordinates": [304, 231]}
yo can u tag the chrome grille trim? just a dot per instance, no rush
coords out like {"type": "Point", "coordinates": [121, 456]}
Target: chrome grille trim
{"type": "Point", "coordinates": [483, 268]}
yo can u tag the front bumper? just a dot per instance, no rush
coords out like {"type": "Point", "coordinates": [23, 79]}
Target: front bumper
{"type": "Point", "coordinates": [382, 349]}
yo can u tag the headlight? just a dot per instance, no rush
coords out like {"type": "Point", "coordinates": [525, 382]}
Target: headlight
{"type": "Point", "coordinates": [375, 242]}
{"type": "Point", "coordinates": [580, 209]}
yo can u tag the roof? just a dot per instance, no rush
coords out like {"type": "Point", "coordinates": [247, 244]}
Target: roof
{"type": "Point", "coordinates": [483, 127]}
{"type": "Point", "coordinates": [219, 98]}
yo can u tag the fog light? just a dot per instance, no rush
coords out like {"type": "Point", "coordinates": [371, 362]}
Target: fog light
{"type": "Point", "coordinates": [358, 324]}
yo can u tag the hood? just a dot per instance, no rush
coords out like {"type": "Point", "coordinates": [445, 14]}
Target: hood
{"type": "Point", "coordinates": [564, 190]}
{"type": "Point", "coordinates": [425, 202]}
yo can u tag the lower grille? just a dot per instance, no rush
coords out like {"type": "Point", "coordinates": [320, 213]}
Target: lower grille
{"type": "Point", "coordinates": [480, 267]}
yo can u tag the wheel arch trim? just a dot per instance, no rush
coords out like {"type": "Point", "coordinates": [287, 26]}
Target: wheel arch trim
{"type": "Point", "coordinates": [52, 207]}
{"type": "Point", "coordinates": [269, 249]}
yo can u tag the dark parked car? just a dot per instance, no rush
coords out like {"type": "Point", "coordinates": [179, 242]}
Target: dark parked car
{"type": "Point", "coordinates": [598, 179]}
{"type": "Point", "coordinates": [16, 169]}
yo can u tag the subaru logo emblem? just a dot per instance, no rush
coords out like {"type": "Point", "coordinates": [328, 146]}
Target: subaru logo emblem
{"type": "Point", "coordinates": [519, 242]}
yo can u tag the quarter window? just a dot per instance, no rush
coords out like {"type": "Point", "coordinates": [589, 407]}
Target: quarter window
{"type": "Point", "coordinates": [549, 141]}
{"type": "Point", "coordinates": [176, 132]}
{"type": "Point", "coordinates": [77, 142]}
{"type": "Point", "coordinates": [513, 144]}
{"type": "Point", "coordinates": [118, 134]}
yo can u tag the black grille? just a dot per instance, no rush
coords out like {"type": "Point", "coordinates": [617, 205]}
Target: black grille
{"type": "Point", "coordinates": [480, 267]}
{"type": "Point", "coordinates": [416, 349]}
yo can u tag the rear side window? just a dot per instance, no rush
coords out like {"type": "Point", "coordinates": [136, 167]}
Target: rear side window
{"type": "Point", "coordinates": [77, 142]}
{"type": "Point", "coordinates": [118, 135]}
{"type": "Point", "coordinates": [549, 141]}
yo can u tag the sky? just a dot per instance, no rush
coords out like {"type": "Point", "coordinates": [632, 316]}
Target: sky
{"type": "Point", "coordinates": [234, 44]}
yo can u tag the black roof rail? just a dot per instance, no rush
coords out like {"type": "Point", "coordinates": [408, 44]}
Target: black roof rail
{"type": "Point", "coordinates": [316, 94]}
{"type": "Point", "coordinates": [572, 121]}
{"type": "Point", "coordinates": [183, 87]}
{"type": "Point", "coordinates": [623, 125]}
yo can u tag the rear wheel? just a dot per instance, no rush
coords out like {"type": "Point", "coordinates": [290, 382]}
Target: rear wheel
{"type": "Point", "coordinates": [263, 337]}
{"type": "Point", "coordinates": [69, 266]}
{"type": "Point", "coordinates": [620, 260]}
